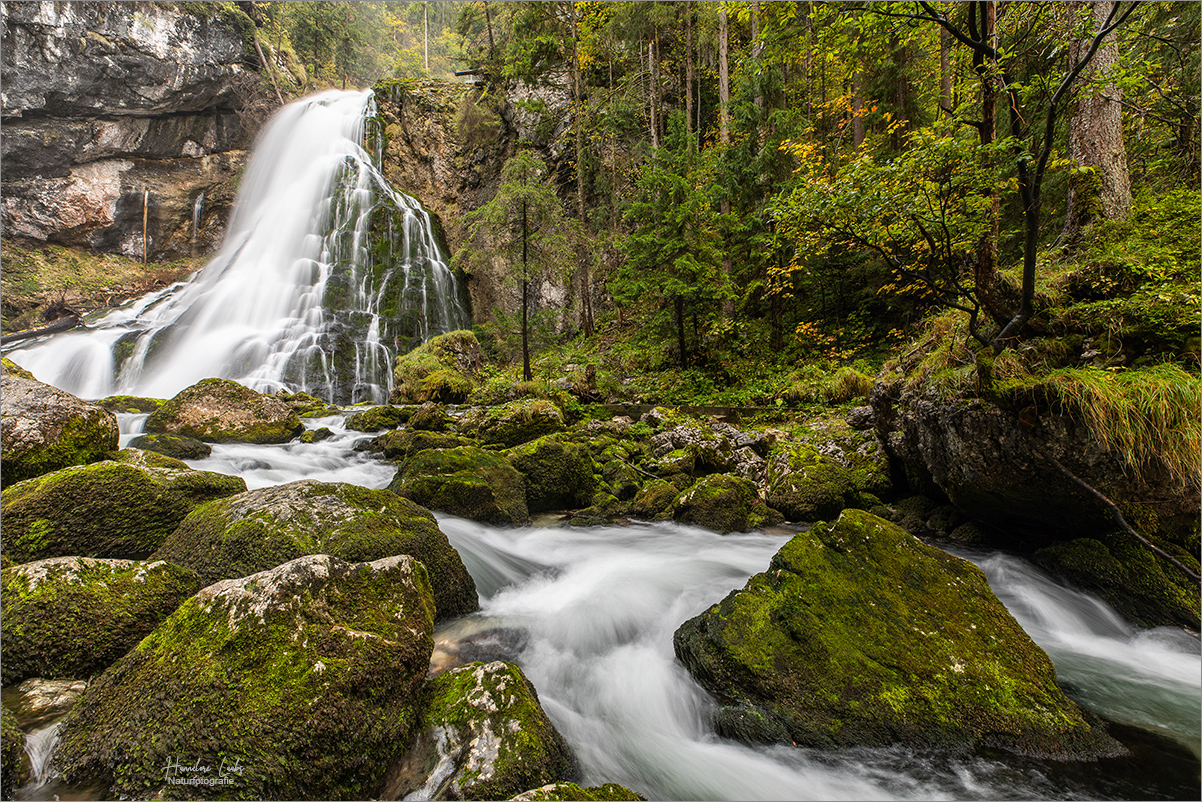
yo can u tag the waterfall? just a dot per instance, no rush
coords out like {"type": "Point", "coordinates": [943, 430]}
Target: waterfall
{"type": "Point", "coordinates": [325, 271]}
{"type": "Point", "coordinates": [197, 211]}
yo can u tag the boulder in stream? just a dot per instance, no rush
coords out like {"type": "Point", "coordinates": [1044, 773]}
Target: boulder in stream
{"type": "Point", "coordinates": [484, 735]}
{"type": "Point", "coordinates": [223, 411]}
{"type": "Point", "coordinates": [70, 617]}
{"type": "Point", "coordinates": [43, 429]}
{"type": "Point", "coordinates": [293, 683]}
{"type": "Point", "coordinates": [559, 475]}
{"type": "Point", "coordinates": [859, 634]}
{"type": "Point", "coordinates": [724, 503]}
{"type": "Point", "coordinates": [12, 754]}
{"type": "Point", "coordinates": [513, 423]}
{"type": "Point", "coordinates": [117, 508]}
{"type": "Point", "coordinates": [172, 446]}
{"type": "Point", "coordinates": [562, 792]}
{"type": "Point", "coordinates": [465, 481]}
{"type": "Point", "coordinates": [262, 528]}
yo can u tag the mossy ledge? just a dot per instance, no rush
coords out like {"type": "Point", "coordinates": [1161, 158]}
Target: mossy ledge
{"type": "Point", "coordinates": [861, 635]}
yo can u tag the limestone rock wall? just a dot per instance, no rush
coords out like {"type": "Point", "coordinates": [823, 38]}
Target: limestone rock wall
{"type": "Point", "coordinates": [103, 103]}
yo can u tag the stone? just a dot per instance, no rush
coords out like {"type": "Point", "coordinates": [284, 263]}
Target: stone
{"type": "Point", "coordinates": [483, 735]}
{"type": "Point", "coordinates": [69, 617]}
{"type": "Point", "coordinates": [816, 478]}
{"type": "Point", "coordinates": [130, 403]}
{"type": "Point", "coordinates": [316, 435]}
{"type": "Point", "coordinates": [38, 702]}
{"type": "Point", "coordinates": [438, 370]}
{"type": "Point", "coordinates": [558, 475]}
{"type": "Point", "coordinates": [12, 754]}
{"type": "Point", "coordinates": [378, 418]}
{"type": "Point", "coordinates": [171, 445]}
{"type": "Point", "coordinates": [294, 683]}
{"type": "Point", "coordinates": [10, 368]}
{"type": "Point", "coordinates": [859, 634]}
{"type": "Point", "coordinates": [258, 529]}
{"type": "Point", "coordinates": [723, 503]}
{"type": "Point", "coordinates": [118, 509]}
{"type": "Point", "coordinates": [400, 444]}
{"type": "Point", "coordinates": [465, 481]}
{"type": "Point", "coordinates": [430, 417]}
{"type": "Point", "coordinates": [514, 423]}
{"type": "Point", "coordinates": [223, 411]}
{"type": "Point", "coordinates": [555, 792]}
{"type": "Point", "coordinates": [43, 429]}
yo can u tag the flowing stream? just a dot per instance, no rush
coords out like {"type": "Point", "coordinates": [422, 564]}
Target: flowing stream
{"type": "Point", "coordinates": [326, 272]}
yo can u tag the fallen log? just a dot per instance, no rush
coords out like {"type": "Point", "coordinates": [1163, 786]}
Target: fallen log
{"type": "Point", "coordinates": [62, 324]}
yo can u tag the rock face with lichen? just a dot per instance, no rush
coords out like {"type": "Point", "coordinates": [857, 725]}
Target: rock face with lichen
{"type": "Point", "coordinates": [122, 509]}
{"type": "Point", "coordinates": [104, 101]}
{"type": "Point", "coordinates": [858, 634]}
{"type": "Point", "coordinates": [223, 411]}
{"type": "Point", "coordinates": [483, 736]}
{"type": "Point", "coordinates": [304, 677]}
{"type": "Point", "coordinates": [258, 529]}
{"type": "Point", "coordinates": [43, 429]}
{"type": "Point", "coordinates": [71, 617]}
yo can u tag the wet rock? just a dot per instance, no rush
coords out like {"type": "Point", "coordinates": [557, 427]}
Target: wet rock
{"type": "Point", "coordinates": [130, 403]}
{"type": "Point", "coordinates": [400, 444]}
{"type": "Point", "coordinates": [565, 791]}
{"type": "Point", "coordinates": [813, 479]}
{"type": "Point", "coordinates": [465, 481]}
{"type": "Point", "coordinates": [430, 417]}
{"type": "Point", "coordinates": [484, 735]}
{"type": "Point", "coordinates": [12, 754]}
{"type": "Point", "coordinates": [438, 370]}
{"type": "Point", "coordinates": [514, 423]}
{"type": "Point", "coordinates": [75, 616]}
{"type": "Point", "coordinates": [122, 509]}
{"type": "Point", "coordinates": [558, 475]}
{"type": "Point", "coordinates": [293, 683]}
{"type": "Point", "coordinates": [262, 528]}
{"type": "Point", "coordinates": [43, 429]}
{"type": "Point", "coordinates": [10, 368]}
{"type": "Point", "coordinates": [654, 498]}
{"type": "Point", "coordinates": [860, 634]}
{"type": "Point", "coordinates": [223, 411]}
{"type": "Point", "coordinates": [723, 503]}
{"type": "Point", "coordinates": [37, 702]}
{"type": "Point", "coordinates": [378, 418]}
{"type": "Point", "coordinates": [860, 418]}
{"type": "Point", "coordinates": [308, 406]}
{"type": "Point", "coordinates": [316, 435]}
{"type": "Point", "coordinates": [171, 445]}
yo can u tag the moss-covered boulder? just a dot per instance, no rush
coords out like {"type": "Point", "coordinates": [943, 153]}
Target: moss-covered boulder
{"type": "Point", "coordinates": [70, 617]}
{"type": "Point", "coordinates": [860, 634]}
{"type": "Point", "coordinates": [316, 435]}
{"type": "Point", "coordinates": [130, 403]}
{"type": "Point", "coordinates": [562, 792]}
{"type": "Point", "coordinates": [12, 754]}
{"type": "Point", "coordinates": [559, 475]}
{"type": "Point", "coordinates": [514, 423]}
{"type": "Point", "coordinates": [262, 528]}
{"type": "Point", "coordinates": [1142, 587]}
{"type": "Point", "coordinates": [223, 411]}
{"type": "Point", "coordinates": [465, 481]}
{"type": "Point", "coordinates": [439, 369]}
{"type": "Point", "coordinates": [172, 446]}
{"type": "Point", "coordinates": [308, 406]}
{"type": "Point", "coordinates": [485, 736]}
{"type": "Point", "coordinates": [430, 417]}
{"type": "Point", "coordinates": [122, 509]}
{"type": "Point", "coordinates": [43, 429]}
{"type": "Point", "coordinates": [10, 368]}
{"type": "Point", "coordinates": [294, 683]}
{"type": "Point", "coordinates": [724, 503]}
{"type": "Point", "coordinates": [810, 481]}
{"type": "Point", "coordinates": [39, 702]}
{"type": "Point", "coordinates": [401, 444]}
{"type": "Point", "coordinates": [654, 498]}
{"type": "Point", "coordinates": [378, 418]}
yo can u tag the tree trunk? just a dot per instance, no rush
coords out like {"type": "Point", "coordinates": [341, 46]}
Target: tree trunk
{"type": "Point", "coordinates": [728, 304]}
{"type": "Point", "coordinates": [526, 374]}
{"type": "Point", "coordinates": [857, 112]}
{"type": "Point", "coordinates": [688, 68]}
{"type": "Point", "coordinates": [651, 94]}
{"type": "Point", "coordinates": [1095, 133]}
{"type": "Point", "coordinates": [586, 305]}
{"type": "Point", "coordinates": [945, 70]}
{"type": "Point", "coordinates": [684, 354]}
{"type": "Point", "coordinates": [985, 267]}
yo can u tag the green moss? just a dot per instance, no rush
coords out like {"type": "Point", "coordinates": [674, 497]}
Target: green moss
{"type": "Point", "coordinates": [561, 792]}
{"type": "Point", "coordinates": [439, 369]}
{"type": "Point", "coordinates": [108, 509]}
{"type": "Point", "coordinates": [72, 617]}
{"type": "Point", "coordinates": [316, 435]}
{"type": "Point", "coordinates": [12, 754]}
{"type": "Point", "coordinates": [304, 676]}
{"type": "Point", "coordinates": [263, 528]}
{"type": "Point", "coordinates": [430, 417]}
{"type": "Point", "coordinates": [402, 444]}
{"type": "Point", "coordinates": [484, 705]}
{"type": "Point", "coordinates": [808, 485]}
{"type": "Point", "coordinates": [558, 475]}
{"type": "Point", "coordinates": [10, 368]}
{"type": "Point", "coordinates": [171, 445]}
{"type": "Point", "coordinates": [516, 422]}
{"type": "Point", "coordinates": [859, 634]}
{"type": "Point", "coordinates": [467, 482]}
{"type": "Point", "coordinates": [378, 418]}
{"type": "Point", "coordinates": [654, 498]}
{"type": "Point", "coordinates": [79, 439]}
{"type": "Point", "coordinates": [244, 416]}
{"type": "Point", "coordinates": [445, 386]}
{"type": "Point", "coordinates": [130, 403]}
{"type": "Point", "coordinates": [309, 406]}
{"type": "Point", "coordinates": [720, 502]}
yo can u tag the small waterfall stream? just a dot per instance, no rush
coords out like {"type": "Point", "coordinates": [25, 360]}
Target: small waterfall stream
{"type": "Point", "coordinates": [325, 272]}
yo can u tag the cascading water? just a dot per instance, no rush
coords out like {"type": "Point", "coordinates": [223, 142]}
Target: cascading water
{"type": "Point", "coordinates": [325, 273]}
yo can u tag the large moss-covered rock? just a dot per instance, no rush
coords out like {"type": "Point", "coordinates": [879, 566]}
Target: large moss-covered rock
{"type": "Point", "coordinates": [223, 411]}
{"type": "Point", "coordinates": [121, 509]}
{"type": "Point", "coordinates": [439, 369]}
{"type": "Point", "coordinates": [262, 528]}
{"type": "Point", "coordinates": [484, 736]}
{"type": "Point", "coordinates": [430, 417]}
{"type": "Point", "coordinates": [562, 792]}
{"type": "Point", "coordinates": [860, 634]}
{"type": "Point", "coordinates": [378, 418]}
{"type": "Point", "coordinates": [654, 498]}
{"type": "Point", "coordinates": [1143, 589]}
{"type": "Point", "coordinates": [130, 403]}
{"type": "Point", "coordinates": [10, 368]}
{"type": "Point", "coordinates": [810, 481]}
{"type": "Point", "coordinates": [514, 423]}
{"type": "Point", "coordinates": [12, 754]}
{"type": "Point", "coordinates": [724, 503]}
{"type": "Point", "coordinates": [70, 617]}
{"type": "Point", "coordinates": [300, 681]}
{"type": "Point", "coordinates": [172, 446]}
{"type": "Point", "coordinates": [401, 444]}
{"type": "Point", "coordinates": [43, 429]}
{"type": "Point", "coordinates": [558, 475]}
{"type": "Point", "coordinates": [465, 481]}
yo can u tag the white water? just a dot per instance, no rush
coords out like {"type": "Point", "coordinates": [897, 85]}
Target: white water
{"type": "Point", "coordinates": [39, 746]}
{"type": "Point", "coordinates": [255, 313]}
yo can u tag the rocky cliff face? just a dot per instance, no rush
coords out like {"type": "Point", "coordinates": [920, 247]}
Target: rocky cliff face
{"type": "Point", "coordinates": [116, 110]}
{"type": "Point", "coordinates": [445, 144]}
